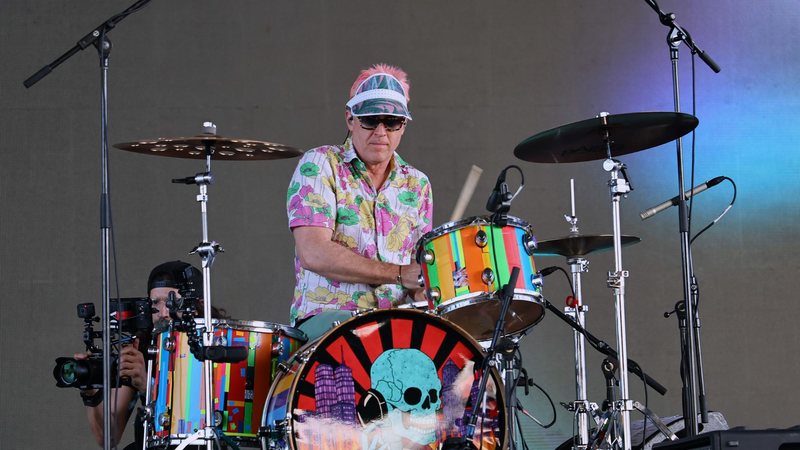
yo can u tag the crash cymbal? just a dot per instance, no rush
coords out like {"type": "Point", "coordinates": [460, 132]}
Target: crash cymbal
{"type": "Point", "coordinates": [584, 140]}
{"type": "Point", "coordinates": [573, 246]}
{"type": "Point", "coordinates": [225, 149]}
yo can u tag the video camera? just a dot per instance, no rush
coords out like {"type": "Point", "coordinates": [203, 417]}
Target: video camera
{"type": "Point", "coordinates": [127, 318]}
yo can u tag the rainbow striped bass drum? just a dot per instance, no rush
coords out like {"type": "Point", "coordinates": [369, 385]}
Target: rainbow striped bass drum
{"type": "Point", "coordinates": [465, 263]}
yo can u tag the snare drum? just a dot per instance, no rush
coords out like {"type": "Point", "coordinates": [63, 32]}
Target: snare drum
{"type": "Point", "coordinates": [465, 263]}
{"type": "Point", "coordinates": [388, 379]}
{"type": "Point", "coordinates": [177, 387]}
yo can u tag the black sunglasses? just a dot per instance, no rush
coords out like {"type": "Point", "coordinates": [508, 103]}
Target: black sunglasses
{"type": "Point", "coordinates": [392, 123]}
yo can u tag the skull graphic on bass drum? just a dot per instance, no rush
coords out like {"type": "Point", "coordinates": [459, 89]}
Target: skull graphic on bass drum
{"type": "Point", "coordinates": [405, 395]}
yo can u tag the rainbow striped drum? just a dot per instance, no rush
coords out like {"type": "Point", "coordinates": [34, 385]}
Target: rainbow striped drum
{"type": "Point", "coordinates": [240, 389]}
{"type": "Point", "coordinates": [390, 379]}
{"type": "Point", "coordinates": [465, 263]}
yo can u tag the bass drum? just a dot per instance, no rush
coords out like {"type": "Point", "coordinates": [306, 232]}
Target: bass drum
{"type": "Point", "coordinates": [385, 379]}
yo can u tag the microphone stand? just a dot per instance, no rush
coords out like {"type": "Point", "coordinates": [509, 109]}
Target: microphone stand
{"type": "Point", "coordinates": [464, 443]}
{"type": "Point", "coordinates": [99, 39]}
{"type": "Point", "coordinates": [603, 347]}
{"type": "Point", "coordinates": [691, 363]}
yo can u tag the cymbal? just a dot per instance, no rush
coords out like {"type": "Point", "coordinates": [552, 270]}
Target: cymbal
{"type": "Point", "coordinates": [584, 140]}
{"type": "Point", "coordinates": [225, 149]}
{"type": "Point", "coordinates": [573, 246]}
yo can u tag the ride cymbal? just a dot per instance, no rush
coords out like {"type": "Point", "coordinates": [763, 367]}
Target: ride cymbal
{"type": "Point", "coordinates": [573, 246]}
{"type": "Point", "coordinates": [224, 149]}
{"type": "Point", "coordinates": [586, 140]}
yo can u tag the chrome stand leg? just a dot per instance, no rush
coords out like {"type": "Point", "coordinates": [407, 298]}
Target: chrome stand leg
{"type": "Point", "coordinates": [616, 281]}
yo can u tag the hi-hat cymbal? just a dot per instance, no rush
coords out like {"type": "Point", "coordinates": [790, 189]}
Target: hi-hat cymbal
{"type": "Point", "coordinates": [574, 246]}
{"type": "Point", "coordinates": [585, 140]}
{"type": "Point", "coordinates": [225, 149]}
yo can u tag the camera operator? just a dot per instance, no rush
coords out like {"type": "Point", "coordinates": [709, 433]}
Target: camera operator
{"type": "Point", "coordinates": [166, 278]}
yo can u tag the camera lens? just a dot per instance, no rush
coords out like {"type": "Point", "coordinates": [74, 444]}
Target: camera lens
{"type": "Point", "coordinates": [69, 373]}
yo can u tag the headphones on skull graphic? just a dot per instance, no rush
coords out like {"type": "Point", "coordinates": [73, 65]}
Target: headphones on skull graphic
{"type": "Point", "coordinates": [371, 407]}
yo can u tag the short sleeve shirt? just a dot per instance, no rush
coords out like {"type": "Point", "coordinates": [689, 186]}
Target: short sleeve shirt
{"type": "Point", "coordinates": [331, 188]}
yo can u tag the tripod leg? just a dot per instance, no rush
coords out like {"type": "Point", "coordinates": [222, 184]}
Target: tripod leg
{"type": "Point", "coordinates": [656, 420]}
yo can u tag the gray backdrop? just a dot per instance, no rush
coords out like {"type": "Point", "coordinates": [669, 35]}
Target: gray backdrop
{"type": "Point", "coordinates": [485, 75]}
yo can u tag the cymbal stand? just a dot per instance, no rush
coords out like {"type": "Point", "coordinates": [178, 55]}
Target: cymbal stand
{"type": "Point", "coordinates": [619, 187]}
{"type": "Point", "coordinates": [577, 311]}
{"type": "Point", "coordinates": [207, 251]}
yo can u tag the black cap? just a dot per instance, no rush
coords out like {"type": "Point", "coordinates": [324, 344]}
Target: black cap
{"type": "Point", "coordinates": [175, 274]}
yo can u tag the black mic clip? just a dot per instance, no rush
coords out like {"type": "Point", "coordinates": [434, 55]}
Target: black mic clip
{"type": "Point", "coordinates": [202, 178]}
{"type": "Point", "coordinates": [524, 380]}
{"type": "Point", "coordinates": [500, 200]}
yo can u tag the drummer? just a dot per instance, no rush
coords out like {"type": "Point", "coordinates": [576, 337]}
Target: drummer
{"type": "Point", "coordinates": [166, 278]}
{"type": "Point", "coordinates": [357, 210]}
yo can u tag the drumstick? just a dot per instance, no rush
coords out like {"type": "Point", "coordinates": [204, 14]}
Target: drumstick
{"type": "Point", "coordinates": [466, 192]}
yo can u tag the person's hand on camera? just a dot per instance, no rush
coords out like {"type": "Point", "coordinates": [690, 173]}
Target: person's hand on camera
{"type": "Point", "coordinates": [83, 357]}
{"type": "Point", "coordinates": [132, 367]}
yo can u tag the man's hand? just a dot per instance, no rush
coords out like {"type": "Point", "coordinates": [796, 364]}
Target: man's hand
{"type": "Point", "coordinates": [131, 365]}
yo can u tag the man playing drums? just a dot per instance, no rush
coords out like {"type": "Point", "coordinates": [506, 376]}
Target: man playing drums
{"type": "Point", "coordinates": [357, 211]}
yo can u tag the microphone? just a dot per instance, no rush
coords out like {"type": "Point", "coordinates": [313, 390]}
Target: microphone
{"type": "Point", "coordinates": [499, 193]}
{"type": "Point", "coordinates": [508, 290]}
{"type": "Point", "coordinates": [646, 214]}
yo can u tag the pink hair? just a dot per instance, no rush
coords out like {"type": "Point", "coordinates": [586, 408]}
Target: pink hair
{"type": "Point", "coordinates": [396, 72]}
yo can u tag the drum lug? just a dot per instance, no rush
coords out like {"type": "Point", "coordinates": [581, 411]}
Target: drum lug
{"type": "Point", "coordinates": [536, 280]}
{"type": "Point", "coordinates": [433, 294]}
{"type": "Point", "coordinates": [481, 239]}
{"type": "Point", "coordinates": [164, 419]}
{"type": "Point", "coordinates": [169, 344]}
{"type": "Point", "coordinates": [277, 348]}
{"type": "Point", "coordinates": [429, 257]}
{"type": "Point", "coordinates": [530, 244]}
{"type": "Point", "coordinates": [147, 413]}
{"type": "Point", "coordinates": [487, 276]}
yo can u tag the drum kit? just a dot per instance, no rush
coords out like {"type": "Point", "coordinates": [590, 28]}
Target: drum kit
{"type": "Point", "coordinates": [440, 374]}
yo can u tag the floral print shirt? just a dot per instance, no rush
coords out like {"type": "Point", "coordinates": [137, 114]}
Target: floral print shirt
{"type": "Point", "coordinates": [331, 188]}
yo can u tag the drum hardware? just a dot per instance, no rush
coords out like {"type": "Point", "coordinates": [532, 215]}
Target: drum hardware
{"type": "Point", "coordinates": [487, 276]}
{"type": "Point", "coordinates": [207, 251]}
{"type": "Point", "coordinates": [608, 431]}
{"type": "Point", "coordinates": [613, 413]}
{"type": "Point", "coordinates": [590, 140]}
{"type": "Point", "coordinates": [574, 247]}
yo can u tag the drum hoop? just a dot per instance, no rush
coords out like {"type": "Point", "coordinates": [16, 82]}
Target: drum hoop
{"type": "Point", "coordinates": [310, 347]}
{"type": "Point", "coordinates": [448, 227]}
{"type": "Point", "coordinates": [470, 299]}
{"type": "Point", "coordinates": [458, 224]}
{"type": "Point", "coordinates": [255, 325]}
